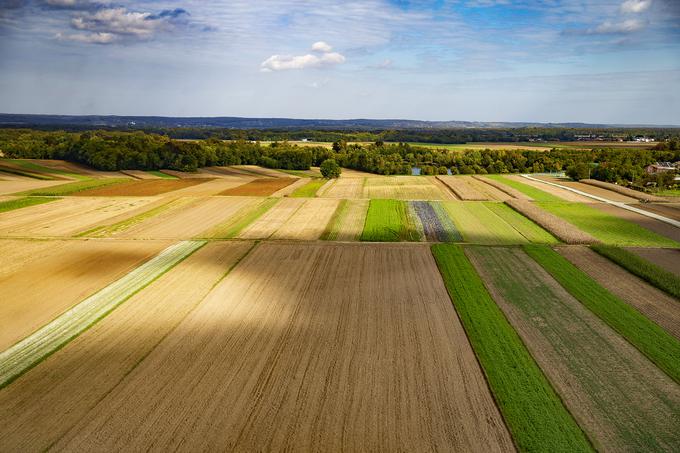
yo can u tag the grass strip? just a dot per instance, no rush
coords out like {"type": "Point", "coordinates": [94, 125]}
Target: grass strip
{"type": "Point", "coordinates": [309, 190]}
{"type": "Point", "coordinates": [30, 351]}
{"type": "Point", "coordinates": [74, 187]}
{"type": "Point", "coordinates": [607, 228]}
{"type": "Point", "coordinates": [25, 174]}
{"type": "Point", "coordinates": [523, 225]}
{"type": "Point", "coordinates": [389, 221]}
{"type": "Point", "coordinates": [650, 272]}
{"type": "Point", "coordinates": [11, 205]}
{"type": "Point", "coordinates": [160, 174]}
{"type": "Point", "coordinates": [233, 227]}
{"type": "Point", "coordinates": [648, 337]}
{"type": "Point", "coordinates": [332, 230]}
{"type": "Point", "coordinates": [533, 412]}
{"type": "Point", "coordinates": [42, 169]}
{"type": "Point", "coordinates": [530, 191]}
{"type": "Point", "coordinates": [107, 230]}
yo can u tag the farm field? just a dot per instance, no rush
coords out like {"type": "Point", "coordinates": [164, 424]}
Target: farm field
{"type": "Point", "coordinates": [532, 191]}
{"type": "Point", "coordinates": [347, 222]}
{"type": "Point", "coordinates": [592, 190]}
{"type": "Point", "coordinates": [391, 221]}
{"type": "Point", "coordinates": [621, 400]}
{"type": "Point", "coordinates": [404, 188]}
{"type": "Point", "coordinates": [302, 289]}
{"type": "Point", "coordinates": [346, 188]}
{"type": "Point", "coordinates": [667, 259]}
{"type": "Point", "coordinates": [141, 188]}
{"type": "Point", "coordinates": [309, 221]}
{"type": "Point", "coordinates": [260, 187]}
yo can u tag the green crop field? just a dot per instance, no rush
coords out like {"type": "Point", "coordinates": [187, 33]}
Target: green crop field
{"type": "Point", "coordinates": [19, 203]}
{"type": "Point", "coordinates": [607, 228]}
{"type": "Point", "coordinates": [389, 221]}
{"type": "Point", "coordinates": [160, 174]}
{"type": "Point", "coordinates": [532, 232]}
{"type": "Point", "coordinates": [650, 272]}
{"type": "Point", "coordinates": [309, 190]}
{"type": "Point", "coordinates": [536, 194]}
{"type": "Point", "coordinates": [653, 341]}
{"type": "Point", "coordinates": [32, 166]}
{"type": "Point", "coordinates": [74, 187]}
{"type": "Point", "coordinates": [532, 410]}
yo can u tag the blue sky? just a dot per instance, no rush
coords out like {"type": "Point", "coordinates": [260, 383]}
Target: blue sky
{"type": "Point", "coordinates": [603, 61]}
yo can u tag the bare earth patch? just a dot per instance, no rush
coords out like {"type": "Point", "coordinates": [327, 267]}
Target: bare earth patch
{"type": "Point", "coordinates": [260, 187]}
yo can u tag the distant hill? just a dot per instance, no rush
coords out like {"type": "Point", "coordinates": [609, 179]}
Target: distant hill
{"type": "Point", "coordinates": [113, 121]}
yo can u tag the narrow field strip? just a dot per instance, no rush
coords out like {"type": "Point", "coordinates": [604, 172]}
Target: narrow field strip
{"type": "Point", "coordinates": [332, 230]}
{"type": "Point", "coordinates": [270, 222]}
{"type": "Point", "coordinates": [309, 222]}
{"type": "Point", "coordinates": [123, 225]}
{"type": "Point", "coordinates": [389, 221]}
{"type": "Point", "coordinates": [11, 205]}
{"type": "Point", "coordinates": [557, 226]}
{"type": "Point", "coordinates": [310, 189]}
{"type": "Point", "coordinates": [607, 228]}
{"type": "Point", "coordinates": [435, 226]}
{"type": "Point", "coordinates": [348, 221]}
{"type": "Point", "coordinates": [29, 165]}
{"type": "Point", "coordinates": [479, 225]}
{"type": "Point", "coordinates": [655, 275]}
{"type": "Point", "coordinates": [34, 348]}
{"type": "Point", "coordinates": [619, 398]}
{"type": "Point", "coordinates": [648, 337]}
{"type": "Point", "coordinates": [233, 227]}
{"type": "Point", "coordinates": [74, 187]}
{"type": "Point", "coordinates": [523, 225]}
{"type": "Point", "coordinates": [531, 192]}
{"type": "Point", "coordinates": [535, 415]}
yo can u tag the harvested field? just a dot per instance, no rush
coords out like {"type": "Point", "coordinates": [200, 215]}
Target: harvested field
{"type": "Point", "coordinates": [491, 192]}
{"type": "Point", "coordinates": [461, 188]}
{"type": "Point", "coordinates": [532, 410]}
{"type": "Point", "coordinates": [336, 359]}
{"type": "Point", "coordinates": [144, 188]}
{"type": "Point", "coordinates": [39, 408]}
{"type": "Point", "coordinates": [656, 226]}
{"type": "Point", "coordinates": [589, 189]}
{"type": "Point", "coordinates": [188, 218]}
{"type": "Point", "coordinates": [345, 188]}
{"type": "Point", "coordinates": [404, 188]}
{"type": "Point", "coordinates": [437, 226]}
{"type": "Point", "coordinates": [210, 187]}
{"type": "Point", "coordinates": [310, 188]}
{"type": "Point", "coordinates": [187, 175]}
{"type": "Point", "coordinates": [670, 210]}
{"type": "Point", "coordinates": [348, 221]}
{"type": "Point", "coordinates": [141, 174]}
{"type": "Point", "coordinates": [390, 221]}
{"type": "Point", "coordinates": [651, 302]}
{"type": "Point", "coordinates": [523, 225]}
{"type": "Point", "coordinates": [667, 259]}
{"type": "Point", "coordinates": [288, 190]}
{"type": "Point", "coordinates": [17, 203]}
{"type": "Point", "coordinates": [327, 185]}
{"type": "Point", "coordinates": [479, 225]}
{"type": "Point", "coordinates": [557, 226]}
{"type": "Point", "coordinates": [350, 173]}
{"type": "Point", "coordinates": [72, 168]}
{"type": "Point", "coordinates": [617, 395]}
{"type": "Point", "coordinates": [78, 269]}
{"type": "Point", "coordinates": [18, 185]}
{"type": "Point", "coordinates": [67, 216]}
{"type": "Point", "coordinates": [17, 253]}
{"type": "Point", "coordinates": [261, 171]}
{"type": "Point", "coordinates": [309, 221]}
{"type": "Point", "coordinates": [244, 217]}
{"type": "Point", "coordinates": [75, 187]}
{"type": "Point", "coordinates": [268, 223]}
{"type": "Point", "coordinates": [607, 228]}
{"type": "Point", "coordinates": [260, 187]}
{"type": "Point", "coordinates": [511, 192]}
{"type": "Point", "coordinates": [642, 196]}
{"type": "Point", "coordinates": [534, 191]}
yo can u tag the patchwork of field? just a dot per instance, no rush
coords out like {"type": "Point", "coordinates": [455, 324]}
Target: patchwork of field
{"type": "Point", "coordinates": [404, 188]}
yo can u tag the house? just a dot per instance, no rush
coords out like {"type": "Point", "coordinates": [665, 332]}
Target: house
{"type": "Point", "coordinates": [661, 167]}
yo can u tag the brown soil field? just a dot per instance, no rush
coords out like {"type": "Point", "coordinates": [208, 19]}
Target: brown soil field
{"type": "Point", "coordinates": [461, 188]}
{"type": "Point", "coordinates": [211, 187]}
{"type": "Point", "coordinates": [552, 190]}
{"type": "Point", "coordinates": [353, 224]}
{"type": "Point", "coordinates": [558, 227]}
{"type": "Point", "coordinates": [273, 219]}
{"type": "Point", "coordinates": [143, 188]}
{"type": "Point", "coordinates": [670, 210]}
{"type": "Point", "coordinates": [621, 399]}
{"type": "Point", "coordinates": [587, 188]}
{"type": "Point", "coordinates": [289, 189]}
{"type": "Point", "coordinates": [79, 269]}
{"type": "Point", "coordinates": [654, 225]}
{"type": "Point", "coordinates": [491, 192]}
{"type": "Point", "coordinates": [653, 303]}
{"type": "Point", "coordinates": [309, 222]}
{"type": "Point", "coordinates": [17, 253]}
{"type": "Point", "coordinates": [308, 363]}
{"type": "Point", "coordinates": [187, 219]}
{"type": "Point", "coordinates": [67, 216]}
{"type": "Point", "coordinates": [260, 187]}
{"type": "Point", "coordinates": [668, 259]}
{"type": "Point", "coordinates": [10, 184]}
{"type": "Point", "coordinates": [40, 407]}
{"type": "Point", "coordinates": [230, 171]}
{"type": "Point", "coordinates": [186, 175]}
{"type": "Point", "coordinates": [504, 188]}
{"type": "Point", "coordinates": [642, 196]}
{"type": "Point", "coordinates": [346, 188]}
{"type": "Point", "coordinates": [140, 174]}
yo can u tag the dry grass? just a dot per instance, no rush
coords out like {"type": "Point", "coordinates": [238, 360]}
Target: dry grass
{"type": "Point", "coordinates": [561, 229]}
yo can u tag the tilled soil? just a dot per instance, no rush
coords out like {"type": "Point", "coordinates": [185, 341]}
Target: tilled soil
{"type": "Point", "coordinates": [620, 398]}
{"type": "Point", "coordinates": [310, 348]}
{"type": "Point", "coordinates": [260, 187]}
{"type": "Point", "coordinates": [668, 259]}
{"type": "Point", "coordinates": [309, 222]}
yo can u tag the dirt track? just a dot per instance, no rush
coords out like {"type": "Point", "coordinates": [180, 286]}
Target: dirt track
{"type": "Point", "coordinates": [285, 355]}
{"type": "Point", "coordinates": [653, 303]}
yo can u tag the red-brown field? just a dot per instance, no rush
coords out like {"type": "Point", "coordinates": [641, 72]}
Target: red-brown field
{"type": "Point", "coordinates": [260, 187]}
{"type": "Point", "coordinates": [143, 188]}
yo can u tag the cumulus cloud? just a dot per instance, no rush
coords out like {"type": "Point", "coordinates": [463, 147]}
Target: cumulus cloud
{"type": "Point", "coordinates": [635, 6]}
{"type": "Point", "coordinates": [323, 56]}
{"type": "Point", "coordinates": [121, 21]}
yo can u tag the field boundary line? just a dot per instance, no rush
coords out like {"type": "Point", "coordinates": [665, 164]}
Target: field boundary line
{"type": "Point", "coordinates": [619, 204]}
{"type": "Point", "coordinates": [30, 351]}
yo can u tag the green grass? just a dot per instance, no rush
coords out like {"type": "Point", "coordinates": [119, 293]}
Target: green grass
{"type": "Point", "coordinates": [19, 203]}
{"type": "Point", "coordinates": [300, 173]}
{"type": "Point", "coordinates": [389, 221]}
{"type": "Point", "coordinates": [533, 412]}
{"type": "Point", "coordinates": [333, 227]}
{"type": "Point", "coordinates": [536, 194]}
{"type": "Point", "coordinates": [232, 227]}
{"type": "Point", "coordinates": [32, 166]}
{"type": "Point", "coordinates": [650, 339]}
{"type": "Point", "coordinates": [309, 190]}
{"type": "Point", "coordinates": [650, 272]}
{"type": "Point", "coordinates": [526, 227]}
{"type": "Point", "coordinates": [73, 187]}
{"type": "Point", "coordinates": [668, 193]}
{"type": "Point", "coordinates": [607, 228]}
{"type": "Point", "coordinates": [479, 224]}
{"type": "Point", "coordinates": [160, 174]}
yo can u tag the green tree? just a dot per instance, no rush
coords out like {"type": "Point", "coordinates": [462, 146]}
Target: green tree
{"type": "Point", "coordinates": [578, 171]}
{"type": "Point", "coordinates": [330, 169]}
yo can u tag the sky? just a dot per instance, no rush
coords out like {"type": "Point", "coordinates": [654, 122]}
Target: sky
{"type": "Point", "coordinates": [599, 61]}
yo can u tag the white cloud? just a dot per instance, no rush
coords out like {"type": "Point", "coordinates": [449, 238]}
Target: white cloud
{"type": "Point", "coordinates": [626, 26]}
{"type": "Point", "coordinates": [324, 57]}
{"type": "Point", "coordinates": [321, 46]}
{"type": "Point", "coordinates": [635, 6]}
{"type": "Point", "coordinates": [91, 38]}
